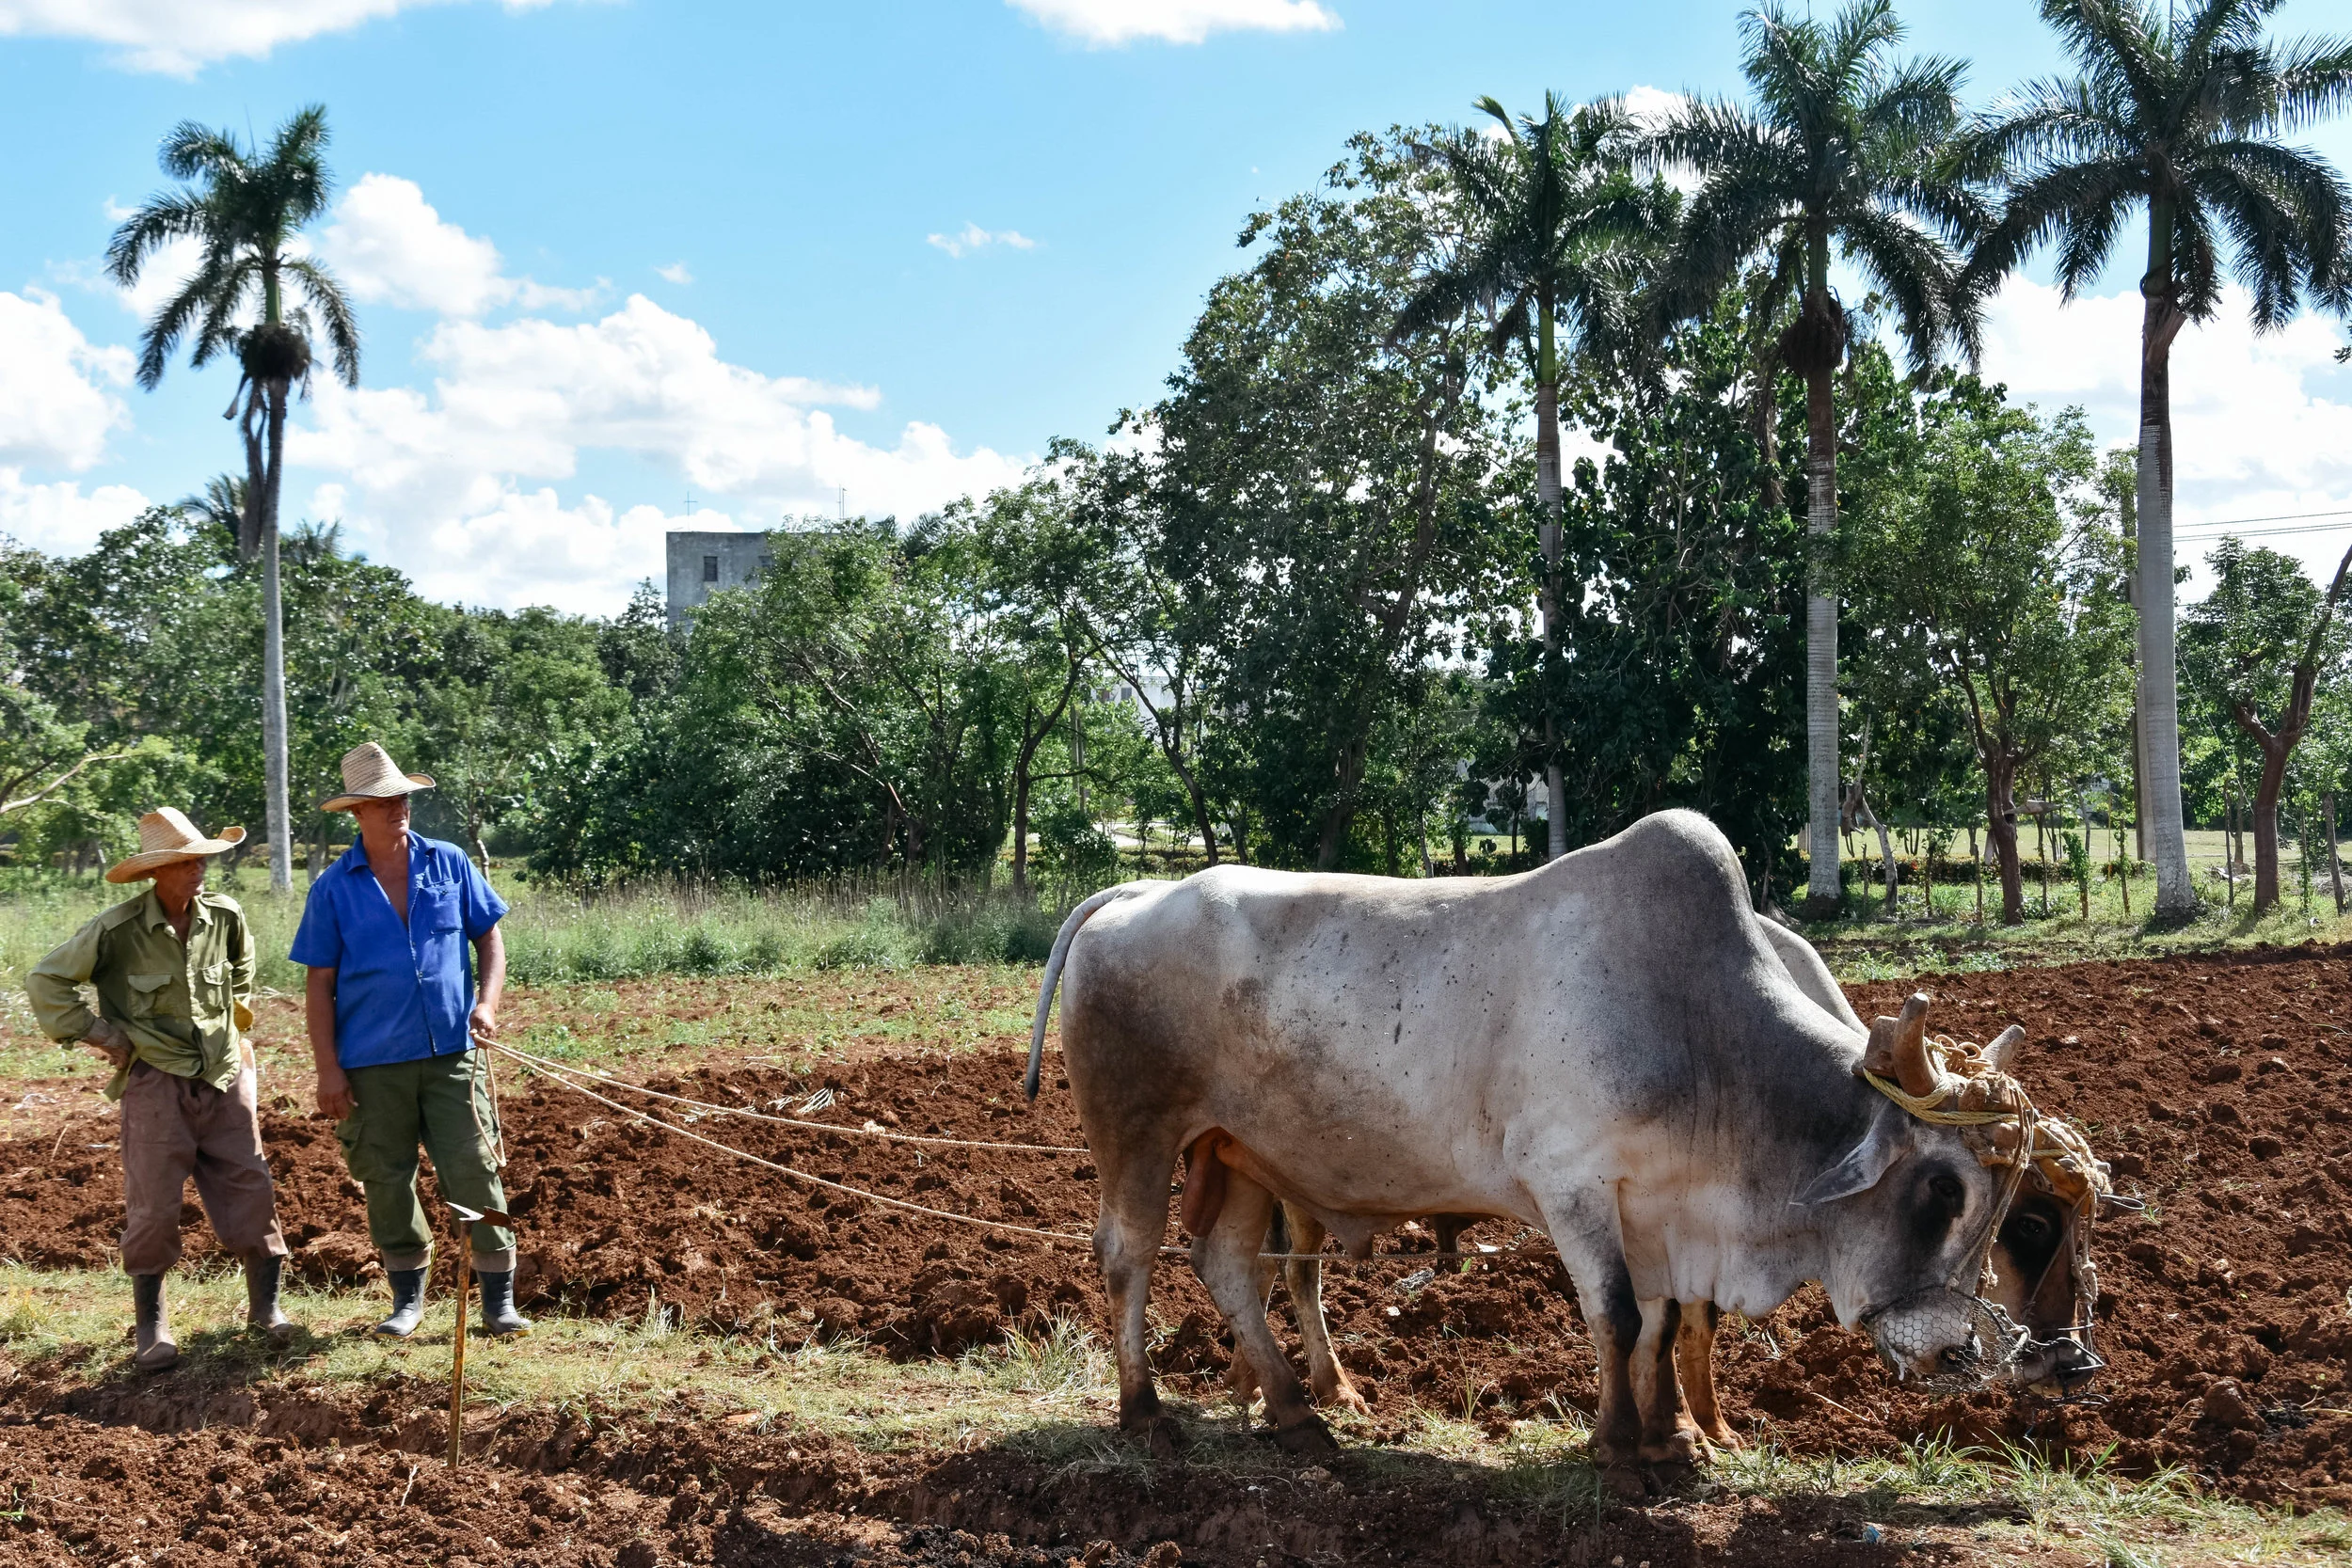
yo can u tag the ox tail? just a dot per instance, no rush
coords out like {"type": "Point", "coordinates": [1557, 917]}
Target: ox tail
{"type": "Point", "coordinates": [1054, 964]}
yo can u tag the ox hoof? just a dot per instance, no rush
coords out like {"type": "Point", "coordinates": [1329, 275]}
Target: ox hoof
{"type": "Point", "coordinates": [1347, 1399]}
{"type": "Point", "coordinates": [1628, 1482]}
{"type": "Point", "coordinates": [1672, 1475]}
{"type": "Point", "coordinates": [1156, 1433]}
{"type": "Point", "coordinates": [1308, 1439]}
{"type": "Point", "coordinates": [1685, 1447]}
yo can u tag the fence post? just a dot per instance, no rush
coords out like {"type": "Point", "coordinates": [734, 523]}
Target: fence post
{"type": "Point", "coordinates": [2335, 871]}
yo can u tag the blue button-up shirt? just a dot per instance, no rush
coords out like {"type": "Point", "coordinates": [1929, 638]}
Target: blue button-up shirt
{"type": "Point", "coordinates": [402, 992]}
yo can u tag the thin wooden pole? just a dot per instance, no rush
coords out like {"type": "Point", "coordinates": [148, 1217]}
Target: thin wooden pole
{"type": "Point", "coordinates": [457, 1357]}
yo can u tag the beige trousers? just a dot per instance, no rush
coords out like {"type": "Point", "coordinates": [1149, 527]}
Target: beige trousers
{"type": "Point", "coordinates": [174, 1128]}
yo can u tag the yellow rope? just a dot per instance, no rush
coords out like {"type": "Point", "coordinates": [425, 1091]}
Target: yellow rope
{"type": "Point", "coordinates": [1924, 1106]}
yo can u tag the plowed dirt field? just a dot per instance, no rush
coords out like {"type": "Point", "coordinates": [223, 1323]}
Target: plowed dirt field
{"type": "Point", "coordinates": [2219, 1088]}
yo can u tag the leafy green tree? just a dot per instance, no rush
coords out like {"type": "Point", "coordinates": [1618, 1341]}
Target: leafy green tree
{"type": "Point", "coordinates": [1033, 563]}
{"type": "Point", "coordinates": [1558, 232]}
{"type": "Point", "coordinates": [158, 632]}
{"type": "Point", "coordinates": [1685, 648]}
{"type": "Point", "coordinates": [1838, 155]}
{"type": "Point", "coordinates": [2258, 649]}
{"type": "Point", "coordinates": [873, 654]}
{"type": "Point", "coordinates": [518, 699]}
{"type": "Point", "coordinates": [247, 209]}
{"type": "Point", "coordinates": [1329, 495]}
{"type": "Point", "coordinates": [2185, 115]}
{"type": "Point", "coordinates": [1980, 560]}
{"type": "Point", "coordinates": [1143, 626]}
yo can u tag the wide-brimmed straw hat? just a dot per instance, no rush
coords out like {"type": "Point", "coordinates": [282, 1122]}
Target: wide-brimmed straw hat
{"type": "Point", "coordinates": [370, 774]}
{"type": "Point", "coordinates": [165, 836]}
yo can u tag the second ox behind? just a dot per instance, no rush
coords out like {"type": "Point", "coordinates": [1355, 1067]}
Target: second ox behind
{"type": "Point", "coordinates": [1614, 1048]}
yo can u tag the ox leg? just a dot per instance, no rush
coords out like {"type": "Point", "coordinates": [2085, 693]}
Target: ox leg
{"type": "Point", "coordinates": [1325, 1374]}
{"type": "Point", "coordinates": [1667, 1438]}
{"type": "Point", "coordinates": [1613, 1319]}
{"type": "Point", "coordinates": [1694, 1357]}
{"type": "Point", "coordinates": [1127, 1233]}
{"type": "Point", "coordinates": [1226, 1260]}
{"type": "Point", "coordinates": [1241, 1378]}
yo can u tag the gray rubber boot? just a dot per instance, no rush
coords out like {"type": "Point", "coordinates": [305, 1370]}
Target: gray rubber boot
{"type": "Point", "coordinates": [408, 1302]}
{"type": "Point", "coordinates": [499, 1317]}
{"type": "Point", "coordinates": [263, 1272]}
{"type": "Point", "coordinates": [157, 1350]}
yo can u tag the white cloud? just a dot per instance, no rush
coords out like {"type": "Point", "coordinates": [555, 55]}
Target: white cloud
{"type": "Point", "coordinates": [389, 246]}
{"type": "Point", "coordinates": [675, 272]}
{"type": "Point", "coordinates": [179, 36]}
{"type": "Point", "coordinates": [1104, 23]}
{"type": "Point", "coordinates": [454, 484]}
{"type": "Point", "coordinates": [529, 547]}
{"type": "Point", "coordinates": [58, 518]}
{"type": "Point", "coordinates": [2262, 425]}
{"type": "Point", "coordinates": [57, 406]}
{"type": "Point", "coordinates": [973, 237]}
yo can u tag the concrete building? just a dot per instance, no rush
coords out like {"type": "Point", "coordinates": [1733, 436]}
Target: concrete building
{"type": "Point", "coordinates": [701, 563]}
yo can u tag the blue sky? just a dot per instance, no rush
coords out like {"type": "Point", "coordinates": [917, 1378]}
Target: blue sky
{"type": "Point", "coordinates": [623, 263]}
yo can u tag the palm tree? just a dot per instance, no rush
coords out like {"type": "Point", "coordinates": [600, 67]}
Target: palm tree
{"type": "Point", "coordinates": [1557, 232]}
{"type": "Point", "coordinates": [1838, 154]}
{"type": "Point", "coordinates": [2185, 118]}
{"type": "Point", "coordinates": [245, 208]}
{"type": "Point", "coordinates": [221, 502]}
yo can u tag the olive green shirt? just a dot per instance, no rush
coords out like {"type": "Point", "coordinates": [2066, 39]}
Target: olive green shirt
{"type": "Point", "coordinates": [184, 1008]}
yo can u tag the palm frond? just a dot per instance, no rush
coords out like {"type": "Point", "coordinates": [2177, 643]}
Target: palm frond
{"type": "Point", "coordinates": [193, 151]}
{"type": "Point", "coordinates": [2314, 77]}
{"type": "Point", "coordinates": [325, 295]}
{"type": "Point", "coordinates": [1907, 266]}
{"type": "Point", "coordinates": [162, 218]}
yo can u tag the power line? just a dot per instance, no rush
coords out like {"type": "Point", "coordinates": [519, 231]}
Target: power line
{"type": "Point", "coordinates": [2234, 526]}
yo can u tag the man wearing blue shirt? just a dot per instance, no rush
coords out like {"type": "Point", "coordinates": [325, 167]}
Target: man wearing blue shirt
{"type": "Point", "coordinates": [393, 1014]}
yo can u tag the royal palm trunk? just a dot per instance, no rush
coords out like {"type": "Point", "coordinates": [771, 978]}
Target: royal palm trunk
{"type": "Point", "coordinates": [273, 765]}
{"type": "Point", "coordinates": [1823, 891]}
{"type": "Point", "coordinates": [2159, 694]}
{"type": "Point", "coordinates": [1548, 500]}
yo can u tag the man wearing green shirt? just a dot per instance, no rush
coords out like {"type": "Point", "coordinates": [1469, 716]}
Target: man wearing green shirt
{"type": "Point", "coordinates": [173, 972]}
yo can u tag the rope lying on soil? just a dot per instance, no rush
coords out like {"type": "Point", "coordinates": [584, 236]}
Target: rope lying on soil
{"type": "Point", "coordinates": [787, 1121]}
{"type": "Point", "coordinates": [559, 1075]}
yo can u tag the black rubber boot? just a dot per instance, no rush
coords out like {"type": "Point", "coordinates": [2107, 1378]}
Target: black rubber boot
{"type": "Point", "coordinates": [408, 1302]}
{"type": "Point", "coordinates": [499, 1317]}
{"type": "Point", "coordinates": [157, 1350]}
{"type": "Point", "coordinates": [262, 1273]}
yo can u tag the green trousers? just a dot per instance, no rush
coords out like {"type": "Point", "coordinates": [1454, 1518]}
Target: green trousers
{"type": "Point", "coordinates": [439, 1104]}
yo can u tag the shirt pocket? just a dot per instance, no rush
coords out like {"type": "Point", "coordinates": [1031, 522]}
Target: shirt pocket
{"type": "Point", "coordinates": [434, 908]}
{"type": "Point", "coordinates": [152, 995]}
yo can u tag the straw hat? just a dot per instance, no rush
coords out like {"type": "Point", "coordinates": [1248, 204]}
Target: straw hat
{"type": "Point", "coordinates": [165, 836]}
{"type": "Point", "coordinates": [370, 774]}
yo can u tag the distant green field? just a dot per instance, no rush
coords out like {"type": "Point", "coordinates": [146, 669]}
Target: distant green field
{"type": "Point", "coordinates": [553, 936]}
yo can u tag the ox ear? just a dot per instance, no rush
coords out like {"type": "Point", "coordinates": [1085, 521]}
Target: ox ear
{"type": "Point", "coordinates": [2002, 1053]}
{"type": "Point", "coordinates": [1898, 1047]}
{"type": "Point", "coordinates": [1864, 1164]}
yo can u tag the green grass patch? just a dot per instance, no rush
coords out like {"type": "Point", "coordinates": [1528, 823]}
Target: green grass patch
{"type": "Point", "coordinates": [557, 936]}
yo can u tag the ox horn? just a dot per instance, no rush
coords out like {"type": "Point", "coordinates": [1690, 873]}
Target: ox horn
{"type": "Point", "coordinates": [2003, 1050]}
{"type": "Point", "coordinates": [1899, 1048]}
